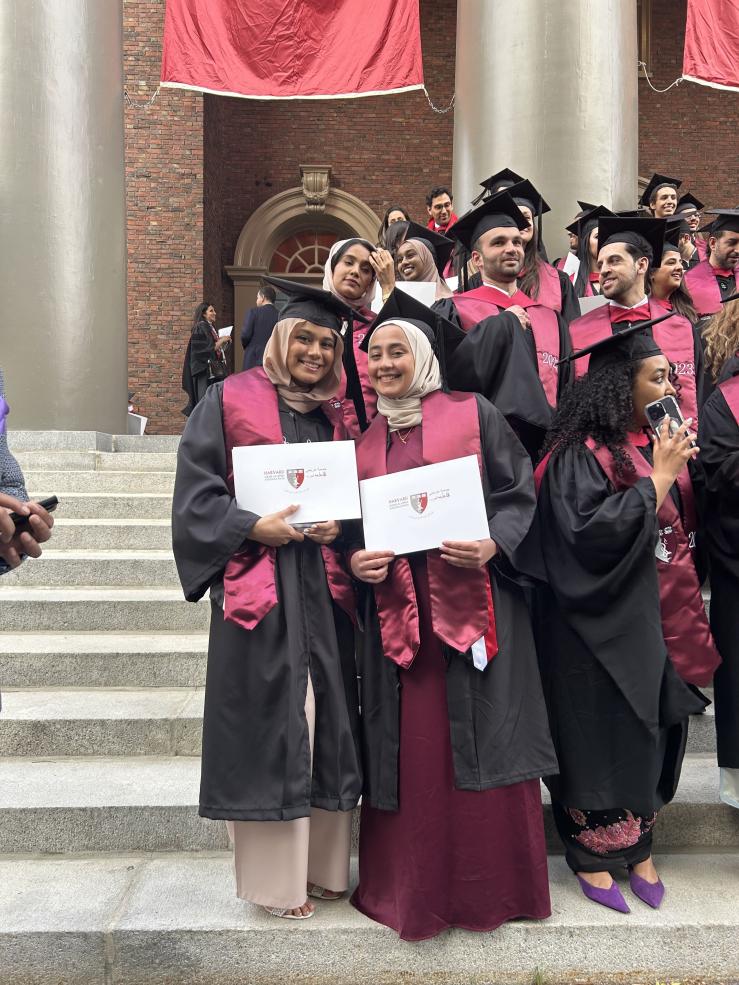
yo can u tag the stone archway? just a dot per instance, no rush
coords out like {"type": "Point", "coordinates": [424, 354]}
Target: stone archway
{"type": "Point", "coordinates": [283, 216]}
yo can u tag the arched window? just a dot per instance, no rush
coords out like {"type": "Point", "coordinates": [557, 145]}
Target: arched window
{"type": "Point", "coordinates": [302, 254]}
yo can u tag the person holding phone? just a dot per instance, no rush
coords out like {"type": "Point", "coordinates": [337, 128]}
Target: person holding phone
{"type": "Point", "coordinates": [622, 629]}
{"type": "Point", "coordinates": [281, 757]}
{"type": "Point", "coordinates": [454, 726]}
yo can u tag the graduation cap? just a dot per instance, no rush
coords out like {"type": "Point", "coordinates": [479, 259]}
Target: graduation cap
{"type": "Point", "coordinates": [500, 181]}
{"type": "Point", "coordinates": [441, 246]}
{"type": "Point", "coordinates": [687, 202]}
{"type": "Point", "coordinates": [314, 305]}
{"type": "Point", "coordinates": [629, 345]}
{"type": "Point", "coordinates": [592, 215]}
{"type": "Point", "coordinates": [676, 227]}
{"type": "Point", "coordinates": [627, 229]}
{"type": "Point", "coordinates": [524, 193]}
{"type": "Point", "coordinates": [443, 335]}
{"type": "Point", "coordinates": [656, 182]}
{"type": "Point", "coordinates": [586, 206]}
{"type": "Point", "coordinates": [497, 211]}
{"type": "Point", "coordinates": [726, 219]}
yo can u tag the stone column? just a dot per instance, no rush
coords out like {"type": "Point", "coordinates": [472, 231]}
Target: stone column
{"type": "Point", "coordinates": [63, 230]}
{"type": "Point", "coordinates": [548, 89]}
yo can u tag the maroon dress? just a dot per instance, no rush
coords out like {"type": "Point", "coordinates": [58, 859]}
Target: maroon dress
{"type": "Point", "coordinates": [448, 857]}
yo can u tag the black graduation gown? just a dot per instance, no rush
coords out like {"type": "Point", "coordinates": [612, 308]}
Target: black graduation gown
{"type": "Point", "coordinates": [497, 717]}
{"type": "Point", "coordinates": [497, 359]}
{"type": "Point", "coordinates": [617, 709]}
{"type": "Point", "coordinates": [256, 755]}
{"type": "Point", "coordinates": [718, 438]}
{"type": "Point", "coordinates": [200, 350]}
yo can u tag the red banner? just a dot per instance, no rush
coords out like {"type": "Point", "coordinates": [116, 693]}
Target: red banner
{"type": "Point", "coordinates": [292, 49]}
{"type": "Point", "coordinates": [711, 54]}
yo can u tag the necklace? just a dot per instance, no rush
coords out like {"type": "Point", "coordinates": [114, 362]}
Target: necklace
{"type": "Point", "coordinates": [407, 434]}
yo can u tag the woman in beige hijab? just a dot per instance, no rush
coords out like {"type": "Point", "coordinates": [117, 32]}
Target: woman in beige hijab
{"type": "Point", "coordinates": [281, 759]}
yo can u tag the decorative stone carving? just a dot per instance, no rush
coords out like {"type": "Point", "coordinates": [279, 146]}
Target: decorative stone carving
{"type": "Point", "coordinates": [316, 179]}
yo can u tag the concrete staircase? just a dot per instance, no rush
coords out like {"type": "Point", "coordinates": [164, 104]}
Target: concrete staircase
{"type": "Point", "coordinates": [108, 875]}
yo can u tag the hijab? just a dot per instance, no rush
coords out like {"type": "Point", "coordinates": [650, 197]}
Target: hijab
{"type": "Point", "coordinates": [301, 398]}
{"type": "Point", "coordinates": [405, 411]}
{"type": "Point", "coordinates": [335, 254]}
{"type": "Point", "coordinates": [430, 271]}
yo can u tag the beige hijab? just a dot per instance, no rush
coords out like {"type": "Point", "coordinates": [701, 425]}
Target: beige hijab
{"type": "Point", "coordinates": [430, 271]}
{"type": "Point", "coordinates": [405, 412]}
{"type": "Point", "coordinates": [298, 397]}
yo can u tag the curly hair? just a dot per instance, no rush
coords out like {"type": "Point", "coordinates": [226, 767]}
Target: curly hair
{"type": "Point", "coordinates": [721, 337]}
{"type": "Point", "coordinates": [599, 406]}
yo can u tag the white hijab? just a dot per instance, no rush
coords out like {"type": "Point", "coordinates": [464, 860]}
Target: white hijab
{"type": "Point", "coordinates": [328, 277]}
{"type": "Point", "coordinates": [405, 411]}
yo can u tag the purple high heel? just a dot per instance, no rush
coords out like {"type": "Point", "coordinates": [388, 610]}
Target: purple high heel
{"type": "Point", "coordinates": [651, 893]}
{"type": "Point", "coordinates": [610, 897]}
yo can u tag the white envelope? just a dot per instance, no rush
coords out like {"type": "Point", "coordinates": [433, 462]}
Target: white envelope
{"type": "Point", "coordinates": [417, 509]}
{"type": "Point", "coordinates": [422, 290]}
{"type": "Point", "coordinates": [319, 476]}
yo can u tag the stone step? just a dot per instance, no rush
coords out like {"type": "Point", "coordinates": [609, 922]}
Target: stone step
{"type": "Point", "coordinates": [22, 441]}
{"type": "Point", "coordinates": [102, 461]}
{"type": "Point", "coordinates": [113, 506]}
{"type": "Point", "coordinates": [57, 721]}
{"type": "Point", "coordinates": [57, 483]}
{"type": "Point", "coordinates": [101, 722]}
{"type": "Point", "coordinates": [149, 803]}
{"type": "Point", "coordinates": [107, 660]}
{"type": "Point", "coordinates": [148, 920]}
{"type": "Point", "coordinates": [112, 535]}
{"type": "Point", "coordinates": [77, 610]}
{"type": "Point", "coordinates": [100, 568]}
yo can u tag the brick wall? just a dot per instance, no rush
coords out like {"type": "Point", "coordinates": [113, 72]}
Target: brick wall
{"type": "Point", "coordinates": [197, 167]}
{"type": "Point", "coordinates": [164, 200]}
{"type": "Point", "coordinates": [688, 132]}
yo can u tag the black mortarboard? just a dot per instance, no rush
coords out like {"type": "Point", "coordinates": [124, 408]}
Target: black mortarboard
{"type": "Point", "coordinates": [500, 181]}
{"type": "Point", "coordinates": [633, 214]}
{"type": "Point", "coordinates": [592, 215]}
{"type": "Point", "coordinates": [443, 335]}
{"type": "Point", "coordinates": [688, 201]}
{"type": "Point", "coordinates": [629, 345]}
{"type": "Point", "coordinates": [725, 219]}
{"type": "Point", "coordinates": [586, 206]}
{"type": "Point", "coordinates": [656, 182]}
{"type": "Point", "coordinates": [523, 192]}
{"type": "Point", "coordinates": [675, 228]}
{"type": "Point", "coordinates": [441, 246]}
{"type": "Point", "coordinates": [499, 210]}
{"type": "Point", "coordinates": [623, 229]}
{"type": "Point", "coordinates": [314, 305]}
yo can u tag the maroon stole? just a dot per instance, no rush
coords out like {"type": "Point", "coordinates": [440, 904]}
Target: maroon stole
{"type": "Point", "coordinates": [730, 390]}
{"type": "Point", "coordinates": [251, 417]}
{"type": "Point", "coordinates": [484, 302]}
{"type": "Point", "coordinates": [674, 336]}
{"type": "Point", "coordinates": [550, 288]}
{"type": "Point", "coordinates": [703, 286]}
{"type": "Point", "coordinates": [701, 246]}
{"type": "Point", "coordinates": [461, 598]}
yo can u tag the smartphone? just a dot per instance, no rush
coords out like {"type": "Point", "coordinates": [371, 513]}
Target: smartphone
{"type": "Point", "coordinates": [666, 407]}
{"type": "Point", "coordinates": [49, 505]}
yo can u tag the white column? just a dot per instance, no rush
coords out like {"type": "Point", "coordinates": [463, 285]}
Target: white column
{"type": "Point", "coordinates": [63, 230]}
{"type": "Point", "coordinates": [549, 89]}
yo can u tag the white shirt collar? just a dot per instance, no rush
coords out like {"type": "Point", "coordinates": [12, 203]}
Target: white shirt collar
{"type": "Point", "coordinates": [496, 288]}
{"type": "Point", "coordinates": [629, 307]}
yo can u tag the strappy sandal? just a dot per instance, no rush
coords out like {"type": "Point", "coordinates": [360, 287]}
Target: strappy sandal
{"type": "Point", "coordinates": [318, 892]}
{"type": "Point", "coordinates": [284, 912]}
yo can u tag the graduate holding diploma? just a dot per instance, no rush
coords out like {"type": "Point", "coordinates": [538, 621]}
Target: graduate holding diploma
{"type": "Point", "coordinates": [455, 735]}
{"type": "Point", "coordinates": [281, 757]}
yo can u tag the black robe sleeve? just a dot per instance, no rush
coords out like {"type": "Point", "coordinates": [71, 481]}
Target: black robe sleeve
{"type": "Point", "coordinates": [570, 304]}
{"type": "Point", "coordinates": [202, 348]}
{"type": "Point", "coordinates": [718, 439]}
{"type": "Point", "coordinates": [207, 526]}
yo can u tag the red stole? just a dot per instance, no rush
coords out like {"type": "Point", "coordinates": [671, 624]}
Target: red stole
{"type": "Point", "coordinates": [461, 598]}
{"type": "Point", "coordinates": [701, 246]}
{"type": "Point", "coordinates": [597, 324]}
{"type": "Point", "coordinates": [703, 286]}
{"type": "Point", "coordinates": [550, 288]}
{"type": "Point", "coordinates": [484, 302]}
{"type": "Point", "coordinates": [730, 390]}
{"type": "Point", "coordinates": [684, 621]}
{"type": "Point", "coordinates": [675, 338]}
{"type": "Point", "coordinates": [251, 417]}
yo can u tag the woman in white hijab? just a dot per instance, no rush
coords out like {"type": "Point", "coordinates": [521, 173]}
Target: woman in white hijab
{"type": "Point", "coordinates": [455, 733]}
